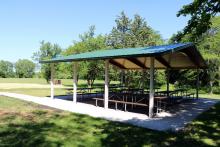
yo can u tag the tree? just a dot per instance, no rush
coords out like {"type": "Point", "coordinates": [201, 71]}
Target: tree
{"type": "Point", "coordinates": [89, 70]}
{"type": "Point", "coordinates": [201, 12]}
{"type": "Point", "coordinates": [24, 68]}
{"type": "Point", "coordinates": [208, 44]}
{"type": "Point", "coordinates": [213, 73]}
{"type": "Point", "coordinates": [46, 51]}
{"type": "Point", "coordinates": [6, 69]}
{"type": "Point", "coordinates": [132, 33]}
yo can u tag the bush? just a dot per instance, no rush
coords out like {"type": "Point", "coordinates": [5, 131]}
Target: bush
{"type": "Point", "coordinates": [216, 90]}
{"type": "Point", "coordinates": [203, 91]}
{"type": "Point", "coordinates": [24, 68]}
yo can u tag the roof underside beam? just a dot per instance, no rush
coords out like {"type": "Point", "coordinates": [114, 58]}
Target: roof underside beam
{"type": "Point", "coordinates": [137, 62]}
{"type": "Point", "coordinates": [163, 61]}
{"type": "Point", "coordinates": [191, 56]}
{"type": "Point", "coordinates": [113, 62]}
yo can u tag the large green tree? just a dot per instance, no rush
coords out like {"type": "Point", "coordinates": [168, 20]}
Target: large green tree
{"type": "Point", "coordinates": [209, 42]}
{"type": "Point", "coordinates": [133, 33]}
{"type": "Point", "coordinates": [6, 69]}
{"type": "Point", "coordinates": [24, 68]}
{"type": "Point", "coordinates": [89, 70]}
{"type": "Point", "coordinates": [201, 12]}
{"type": "Point", "coordinates": [47, 51]}
{"type": "Point", "coordinates": [209, 45]}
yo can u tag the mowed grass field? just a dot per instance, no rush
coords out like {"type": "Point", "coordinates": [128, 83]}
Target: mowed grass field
{"type": "Point", "coordinates": [40, 87]}
{"type": "Point", "coordinates": [65, 82]}
{"type": "Point", "coordinates": [28, 124]}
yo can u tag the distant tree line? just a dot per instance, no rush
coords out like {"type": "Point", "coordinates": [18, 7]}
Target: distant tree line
{"type": "Point", "coordinates": [23, 68]}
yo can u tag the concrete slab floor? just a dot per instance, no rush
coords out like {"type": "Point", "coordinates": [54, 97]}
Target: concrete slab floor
{"type": "Point", "coordinates": [173, 120]}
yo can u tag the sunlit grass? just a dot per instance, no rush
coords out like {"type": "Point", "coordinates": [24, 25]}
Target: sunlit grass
{"type": "Point", "coordinates": [28, 124]}
{"type": "Point", "coordinates": [38, 91]}
{"type": "Point", "coordinates": [68, 82]}
{"type": "Point", "coordinates": [213, 96]}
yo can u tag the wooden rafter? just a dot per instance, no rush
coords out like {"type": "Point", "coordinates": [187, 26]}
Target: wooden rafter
{"type": "Point", "coordinates": [191, 56]}
{"type": "Point", "coordinates": [113, 62]}
{"type": "Point", "coordinates": [137, 62]}
{"type": "Point", "coordinates": [163, 61]}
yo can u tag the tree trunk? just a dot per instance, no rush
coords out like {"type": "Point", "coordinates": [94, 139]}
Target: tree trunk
{"type": "Point", "coordinates": [211, 85]}
{"type": "Point", "coordinates": [88, 82]}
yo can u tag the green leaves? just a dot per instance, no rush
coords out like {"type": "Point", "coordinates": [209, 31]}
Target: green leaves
{"type": "Point", "coordinates": [132, 33]}
{"type": "Point", "coordinates": [6, 69]}
{"type": "Point", "coordinates": [24, 68]}
{"type": "Point", "coordinates": [90, 70]}
{"type": "Point", "coordinates": [46, 51]}
{"type": "Point", "coordinates": [201, 12]}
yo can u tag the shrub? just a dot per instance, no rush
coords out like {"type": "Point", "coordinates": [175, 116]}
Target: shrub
{"type": "Point", "coordinates": [216, 90]}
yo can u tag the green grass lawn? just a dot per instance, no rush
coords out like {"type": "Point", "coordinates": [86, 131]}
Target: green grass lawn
{"type": "Point", "coordinates": [65, 82]}
{"type": "Point", "coordinates": [42, 92]}
{"type": "Point", "coordinates": [23, 80]}
{"type": "Point", "coordinates": [62, 91]}
{"type": "Point", "coordinates": [28, 124]}
{"type": "Point", "coordinates": [212, 96]}
{"type": "Point", "coordinates": [37, 91]}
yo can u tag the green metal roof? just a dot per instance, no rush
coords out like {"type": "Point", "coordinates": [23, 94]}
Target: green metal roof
{"type": "Point", "coordinates": [117, 53]}
{"type": "Point", "coordinates": [126, 53]}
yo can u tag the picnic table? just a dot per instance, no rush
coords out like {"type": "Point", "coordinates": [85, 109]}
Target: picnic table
{"type": "Point", "coordinates": [161, 103]}
{"type": "Point", "coordinates": [116, 102]}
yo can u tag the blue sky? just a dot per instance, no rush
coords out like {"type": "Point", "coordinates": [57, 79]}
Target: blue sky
{"type": "Point", "coordinates": [24, 23]}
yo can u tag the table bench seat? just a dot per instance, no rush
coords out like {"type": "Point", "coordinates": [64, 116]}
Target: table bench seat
{"type": "Point", "coordinates": [120, 102]}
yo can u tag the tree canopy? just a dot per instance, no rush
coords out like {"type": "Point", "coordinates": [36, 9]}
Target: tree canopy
{"type": "Point", "coordinates": [6, 69]}
{"type": "Point", "coordinates": [209, 45]}
{"type": "Point", "coordinates": [132, 33]}
{"type": "Point", "coordinates": [88, 42]}
{"type": "Point", "coordinates": [209, 42]}
{"type": "Point", "coordinates": [24, 68]}
{"type": "Point", "coordinates": [46, 51]}
{"type": "Point", "coordinates": [201, 12]}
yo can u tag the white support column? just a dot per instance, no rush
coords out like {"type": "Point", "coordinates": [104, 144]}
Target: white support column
{"type": "Point", "coordinates": [106, 84]}
{"type": "Point", "coordinates": [52, 81]}
{"type": "Point", "coordinates": [151, 95]}
{"type": "Point", "coordinates": [75, 82]}
{"type": "Point", "coordinates": [168, 81]}
{"type": "Point", "coordinates": [197, 84]}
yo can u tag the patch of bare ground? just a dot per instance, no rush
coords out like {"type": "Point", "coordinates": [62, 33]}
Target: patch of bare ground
{"type": "Point", "coordinates": [10, 114]}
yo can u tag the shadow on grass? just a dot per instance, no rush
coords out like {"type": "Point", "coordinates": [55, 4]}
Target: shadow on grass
{"type": "Point", "coordinates": [81, 130]}
{"type": "Point", "coordinates": [28, 134]}
{"type": "Point", "coordinates": [204, 131]}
